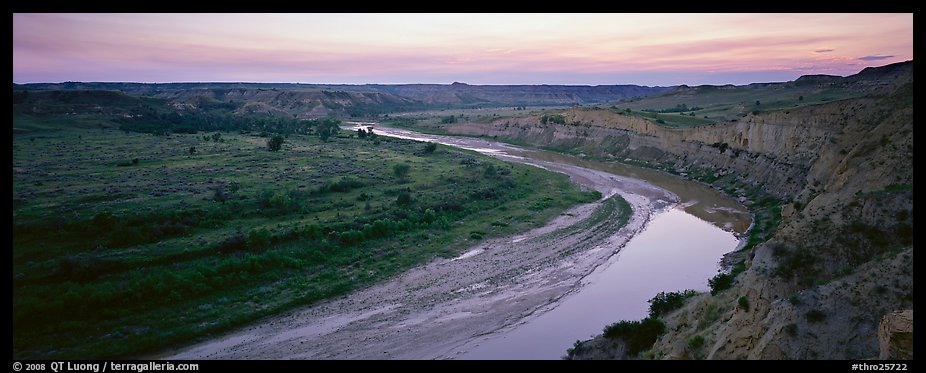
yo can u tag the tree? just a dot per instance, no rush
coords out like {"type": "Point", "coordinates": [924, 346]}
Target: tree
{"type": "Point", "coordinates": [326, 127]}
{"type": "Point", "coordinates": [192, 150]}
{"type": "Point", "coordinates": [800, 98]}
{"type": "Point", "coordinates": [275, 143]}
{"type": "Point", "coordinates": [218, 194]}
{"type": "Point", "coordinates": [401, 170]}
{"type": "Point", "coordinates": [216, 137]}
{"type": "Point", "coordinates": [403, 199]}
{"type": "Point", "coordinates": [430, 147]}
{"type": "Point", "coordinates": [361, 134]}
{"type": "Point", "coordinates": [757, 103]}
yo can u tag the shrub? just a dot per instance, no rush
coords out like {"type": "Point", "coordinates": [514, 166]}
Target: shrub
{"type": "Point", "coordinates": [258, 238]}
{"type": "Point", "coordinates": [719, 283]}
{"type": "Point", "coordinates": [490, 171]}
{"type": "Point", "coordinates": [429, 216]}
{"type": "Point", "coordinates": [695, 343]}
{"type": "Point", "coordinates": [664, 303]}
{"type": "Point", "coordinates": [403, 199]}
{"type": "Point", "coordinates": [815, 316]}
{"type": "Point", "coordinates": [218, 194]}
{"type": "Point", "coordinates": [275, 143]}
{"type": "Point", "coordinates": [234, 243]}
{"type": "Point", "coordinates": [638, 335]}
{"type": "Point", "coordinates": [743, 302]}
{"type": "Point", "coordinates": [724, 281]}
{"type": "Point", "coordinates": [133, 162]}
{"type": "Point", "coordinates": [401, 170]}
{"type": "Point", "coordinates": [280, 201]}
{"type": "Point", "coordinates": [430, 147]}
{"type": "Point", "coordinates": [794, 263]}
{"type": "Point", "coordinates": [79, 267]}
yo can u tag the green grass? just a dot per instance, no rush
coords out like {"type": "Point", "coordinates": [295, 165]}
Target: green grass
{"type": "Point", "coordinates": [673, 120]}
{"type": "Point", "coordinates": [116, 261]}
{"type": "Point", "coordinates": [728, 103]}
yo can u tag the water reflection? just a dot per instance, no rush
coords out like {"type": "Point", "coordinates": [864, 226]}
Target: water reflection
{"type": "Point", "coordinates": [677, 251]}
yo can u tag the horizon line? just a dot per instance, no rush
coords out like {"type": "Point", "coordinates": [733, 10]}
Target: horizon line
{"type": "Point", "coordinates": [458, 82]}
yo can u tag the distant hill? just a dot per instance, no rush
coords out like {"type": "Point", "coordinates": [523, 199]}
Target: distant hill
{"type": "Point", "coordinates": [517, 95]}
{"type": "Point", "coordinates": [717, 103]}
{"type": "Point", "coordinates": [316, 100]}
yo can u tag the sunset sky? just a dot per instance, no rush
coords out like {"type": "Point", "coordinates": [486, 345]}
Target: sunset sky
{"type": "Point", "coordinates": [646, 49]}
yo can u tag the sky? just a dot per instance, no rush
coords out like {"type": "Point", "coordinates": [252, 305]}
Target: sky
{"type": "Point", "coordinates": [586, 49]}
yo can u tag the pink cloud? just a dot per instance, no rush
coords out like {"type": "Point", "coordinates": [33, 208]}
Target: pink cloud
{"type": "Point", "coordinates": [288, 48]}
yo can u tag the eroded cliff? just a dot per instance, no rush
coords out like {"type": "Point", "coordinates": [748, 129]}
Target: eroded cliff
{"type": "Point", "coordinates": [842, 256]}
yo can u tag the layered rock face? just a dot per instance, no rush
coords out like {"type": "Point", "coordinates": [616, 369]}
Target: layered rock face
{"type": "Point", "coordinates": [895, 335]}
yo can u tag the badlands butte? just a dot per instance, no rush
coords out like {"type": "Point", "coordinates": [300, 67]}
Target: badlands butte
{"type": "Point", "coordinates": [825, 164]}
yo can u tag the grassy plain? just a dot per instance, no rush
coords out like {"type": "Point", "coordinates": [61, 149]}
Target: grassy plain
{"type": "Point", "coordinates": [127, 243]}
{"type": "Point", "coordinates": [723, 103]}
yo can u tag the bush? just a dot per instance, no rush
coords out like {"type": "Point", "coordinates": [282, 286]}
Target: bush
{"type": "Point", "coordinates": [638, 335]}
{"type": "Point", "coordinates": [664, 303]}
{"type": "Point", "coordinates": [554, 118]}
{"type": "Point", "coordinates": [695, 343]}
{"type": "Point", "coordinates": [815, 316]}
{"type": "Point", "coordinates": [430, 147]}
{"type": "Point", "coordinates": [429, 216]}
{"type": "Point", "coordinates": [258, 238]}
{"type": "Point", "coordinates": [401, 170]}
{"type": "Point", "coordinates": [79, 267]}
{"type": "Point", "coordinates": [743, 302]}
{"type": "Point", "coordinates": [490, 171]}
{"type": "Point", "coordinates": [403, 199]}
{"type": "Point", "coordinates": [341, 186]}
{"type": "Point", "coordinates": [218, 194]}
{"type": "Point", "coordinates": [275, 143]}
{"type": "Point", "coordinates": [234, 243]}
{"type": "Point", "coordinates": [280, 201]}
{"type": "Point", "coordinates": [724, 281]}
{"type": "Point", "coordinates": [719, 283]}
{"type": "Point", "coordinates": [793, 263]}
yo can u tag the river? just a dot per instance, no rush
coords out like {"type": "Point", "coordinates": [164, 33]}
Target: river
{"type": "Point", "coordinates": [526, 296]}
{"type": "Point", "coordinates": [676, 251]}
